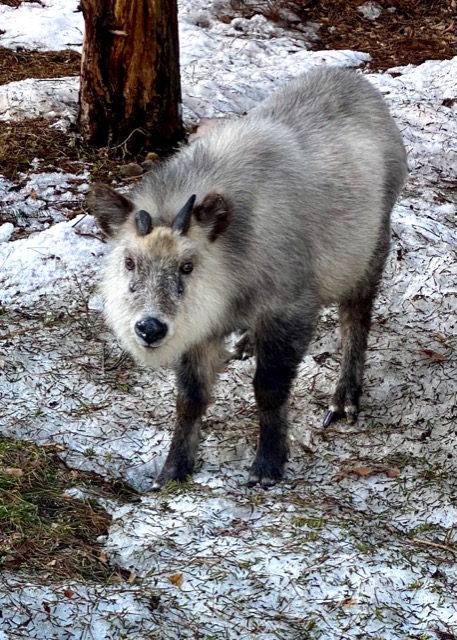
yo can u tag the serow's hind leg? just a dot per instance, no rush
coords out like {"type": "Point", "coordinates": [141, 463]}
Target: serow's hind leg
{"type": "Point", "coordinates": [244, 348]}
{"type": "Point", "coordinates": [355, 322]}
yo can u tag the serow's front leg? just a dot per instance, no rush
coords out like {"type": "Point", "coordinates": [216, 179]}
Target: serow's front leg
{"type": "Point", "coordinates": [195, 376]}
{"type": "Point", "coordinates": [279, 352]}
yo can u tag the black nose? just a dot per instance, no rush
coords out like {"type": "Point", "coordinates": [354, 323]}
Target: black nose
{"type": "Point", "coordinates": [150, 330]}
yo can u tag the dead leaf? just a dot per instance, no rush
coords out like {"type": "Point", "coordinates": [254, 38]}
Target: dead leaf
{"type": "Point", "coordinates": [177, 579]}
{"type": "Point", "coordinates": [12, 471]}
{"type": "Point", "coordinates": [359, 471]}
{"type": "Point", "coordinates": [33, 194]}
{"type": "Point", "coordinates": [53, 446]}
{"type": "Point", "coordinates": [132, 578]}
{"type": "Point", "coordinates": [8, 559]}
{"type": "Point", "coordinates": [439, 336]}
{"type": "Point", "coordinates": [118, 578]}
{"type": "Point", "coordinates": [362, 471]}
{"type": "Point", "coordinates": [103, 557]}
{"type": "Point", "coordinates": [349, 602]}
{"type": "Point", "coordinates": [393, 473]}
{"type": "Point", "coordinates": [46, 607]}
{"type": "Point", "coordinates": [433, 355]}
{"type": "Point", "coordinates": [68, 593]}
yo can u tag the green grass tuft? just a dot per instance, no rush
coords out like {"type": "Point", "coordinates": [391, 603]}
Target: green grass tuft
{"type": "Point", "coordinates": [42, 529]}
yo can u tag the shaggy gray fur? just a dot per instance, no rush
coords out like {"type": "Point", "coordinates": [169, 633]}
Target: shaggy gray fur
{"type": "Point", "coordinates": [292, 212]}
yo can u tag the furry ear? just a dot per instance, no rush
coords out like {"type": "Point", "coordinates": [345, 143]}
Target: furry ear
{"type": "Point", "coordinates": [214, 214]}
{"type": "Point", "coordinates": [109, 207]}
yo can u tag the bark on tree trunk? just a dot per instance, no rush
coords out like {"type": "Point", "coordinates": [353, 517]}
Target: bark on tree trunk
{"type": "Point", "coordinates": [130, 83]}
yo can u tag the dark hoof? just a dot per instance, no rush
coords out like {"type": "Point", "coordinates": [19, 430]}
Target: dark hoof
{"type": "Point", "coordinates": [332, 416]}
{"type": "Point", "coordinates": [176, 471]}
{"type": "Point", "coordinates": [265, 472]}
{"type": "Point", "coordinates": [244, 348]}
{"type": "Point", "coordinates": [350, 413]}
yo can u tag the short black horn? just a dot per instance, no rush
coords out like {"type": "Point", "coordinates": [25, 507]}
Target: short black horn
{"type": "Point", "coordinates": [143, 223]}
{"type": "Point", "coordinates": [182, 221]}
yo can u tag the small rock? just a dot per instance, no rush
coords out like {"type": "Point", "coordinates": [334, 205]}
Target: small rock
{"type": "Point", "coordinates": [200, 19]}
{"type": "Point", "coordinates": [130, 170]}
{"type": "Point", "coordinates": [149, 162]}
{"type": "Point", "coordinates": [147, 165]}
{"type": "Point", "coordinates": [289, 16]}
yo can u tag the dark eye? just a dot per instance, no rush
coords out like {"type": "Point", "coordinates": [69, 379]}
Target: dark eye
{"type": "Point", "coordinates": [186, 268]}
{"type": "Point", "coordinates": [129, 264]}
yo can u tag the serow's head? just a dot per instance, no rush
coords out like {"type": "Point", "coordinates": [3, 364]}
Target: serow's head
{"type": "Point", "coordinates": [164, 285]}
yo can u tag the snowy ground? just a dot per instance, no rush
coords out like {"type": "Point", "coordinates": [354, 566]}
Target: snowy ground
{"type": "Point", "coordinates": [360, 540]}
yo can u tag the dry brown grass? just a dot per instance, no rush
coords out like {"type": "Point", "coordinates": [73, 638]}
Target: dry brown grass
{"type": "Point", "coordinates": [42, 528]}
{"type": "Point", "coordinates": [19, 65]}
{"type": "Point", "coordinates": [416, 31]}
{"type": "Point", "coordinates": [23, 141]}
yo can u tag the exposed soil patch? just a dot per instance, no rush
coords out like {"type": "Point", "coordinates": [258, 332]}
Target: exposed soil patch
{"type": "Point", "coordinates": [19, 65]}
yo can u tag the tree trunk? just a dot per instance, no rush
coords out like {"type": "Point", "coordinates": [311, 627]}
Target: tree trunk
{"type": "Point", "coordinates": [130, 85]}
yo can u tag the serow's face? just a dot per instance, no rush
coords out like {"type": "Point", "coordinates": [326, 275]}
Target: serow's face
{"type": "Point", "coordinates": [160, 284]}
{"type": "Point", "coordinates": [156, 274]}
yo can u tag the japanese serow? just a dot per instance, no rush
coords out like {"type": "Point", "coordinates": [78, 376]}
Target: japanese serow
{"type": "Point", "coordinates": [254, 227]}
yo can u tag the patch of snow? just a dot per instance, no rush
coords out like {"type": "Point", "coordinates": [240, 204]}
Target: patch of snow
{"type": "Point", "coordinates": [6, 231]}
{"type": "Point", "coordinates": [423, 99]}
{"type": "Point", "coordinates": [327, 553]}
{"type": "Point", "coordinates": [48, 612]}
{"type": "Point", "coordinates": [44, 262]}
{"type": "Point", "coordinates": [370, 10]}
{"type": "Point", "coordinates": [40, 198]}
{"type": "Point", "coordinates": [225, 69]}
{"type": "Point", "coordinates": [34, 98]}
{"type": "Point", "coordinates": [251, 71]}
{"type": "Point", "coordinates": [48, 25]}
